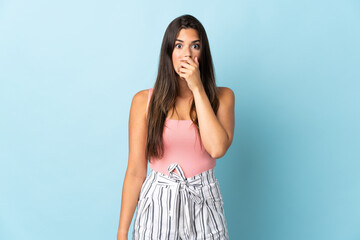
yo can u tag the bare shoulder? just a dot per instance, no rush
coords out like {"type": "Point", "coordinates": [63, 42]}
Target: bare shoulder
{"type": "Point", "coordinates": [139, 103]}
{"type": "Point", "coordinates": [141, 95]}
{"type": "Point", "coordinates": [226, 95]}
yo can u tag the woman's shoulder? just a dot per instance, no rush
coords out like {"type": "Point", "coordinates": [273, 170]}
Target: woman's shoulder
{"type": "Point", "coordinates": [225, 93]}
{"type": "Point", "coordinates": [140, 99]}
{"type": "Point", "coordinates": [226, 97]}
{"type": "Point", "coordinates": [141, 95]}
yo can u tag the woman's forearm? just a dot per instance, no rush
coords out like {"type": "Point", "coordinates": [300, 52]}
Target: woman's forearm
{"type": "Point", "coordinates": [130, 195]}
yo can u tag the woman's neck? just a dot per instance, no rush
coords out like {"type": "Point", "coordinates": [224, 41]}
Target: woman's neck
{"type": "Point", "coordinates": [184, 92]}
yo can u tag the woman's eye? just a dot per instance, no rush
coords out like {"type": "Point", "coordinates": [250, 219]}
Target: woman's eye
{"type": "Point", "coordinates": [197, 45]}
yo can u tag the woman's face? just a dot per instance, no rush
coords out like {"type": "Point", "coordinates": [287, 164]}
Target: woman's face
{"type": "Point", "coordinates": [187, 43]}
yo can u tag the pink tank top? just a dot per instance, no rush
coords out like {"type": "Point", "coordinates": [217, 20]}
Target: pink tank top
{"type": "Point", "coordinates": [182, 145]}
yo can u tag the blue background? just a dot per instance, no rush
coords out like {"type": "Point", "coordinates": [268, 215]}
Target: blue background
{"type": "Point", "coordinates": [69, 70]}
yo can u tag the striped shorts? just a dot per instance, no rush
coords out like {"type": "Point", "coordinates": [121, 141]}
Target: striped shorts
{"type": "Point", "coordinates": [177, 208]}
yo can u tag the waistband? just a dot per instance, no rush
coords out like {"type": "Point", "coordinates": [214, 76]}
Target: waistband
{"type": "Point", "coordinates": [206, 176]}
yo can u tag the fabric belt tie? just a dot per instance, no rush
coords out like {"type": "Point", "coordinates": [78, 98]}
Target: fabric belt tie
{"type": "Point", "coordinates": [183, 187]}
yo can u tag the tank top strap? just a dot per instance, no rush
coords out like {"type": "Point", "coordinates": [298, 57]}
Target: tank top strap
{"type": "Point", "coordinates": [148, 101]}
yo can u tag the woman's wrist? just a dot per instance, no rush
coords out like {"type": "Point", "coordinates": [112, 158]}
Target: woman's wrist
{"type": "Point", "coordinates": [122, 233]}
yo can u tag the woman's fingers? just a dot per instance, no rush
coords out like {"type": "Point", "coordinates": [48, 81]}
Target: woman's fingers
{"type": "Point", "coordinates": [184, 70]}
{"type": "Point", "coordinates": [191, 61]}
{"type": "Point", "coordinates": [186, 65]}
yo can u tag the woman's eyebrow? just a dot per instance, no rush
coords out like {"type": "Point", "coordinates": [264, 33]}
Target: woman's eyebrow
{"type": "Point", "coordinates": [191, 42]}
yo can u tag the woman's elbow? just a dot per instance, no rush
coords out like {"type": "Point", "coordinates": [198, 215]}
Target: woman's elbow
{"type": "Point", "coordinates": [220, 150]}
{"type": "Point", "coordinates": [218, 153]}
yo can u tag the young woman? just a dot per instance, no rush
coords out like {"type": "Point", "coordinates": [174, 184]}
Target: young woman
{"type": "Point", "coordinates": [181, 125]}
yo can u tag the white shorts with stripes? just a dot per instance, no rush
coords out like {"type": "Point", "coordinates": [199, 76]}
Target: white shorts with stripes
{"type": "Point", "coordinates": [175, 208]}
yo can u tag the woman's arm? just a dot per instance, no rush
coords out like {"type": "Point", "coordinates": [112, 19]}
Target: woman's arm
{"type": "Point", "coordinates": [137, 164]}
{"type": "Point", "coordinates": [216, 131]}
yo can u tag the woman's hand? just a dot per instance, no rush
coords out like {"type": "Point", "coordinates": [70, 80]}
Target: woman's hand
{"type": "Point", "coordinates": [189, 71]}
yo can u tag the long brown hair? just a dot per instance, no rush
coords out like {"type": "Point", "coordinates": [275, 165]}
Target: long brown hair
{"type": "Point", "coordinates": [166, 87]}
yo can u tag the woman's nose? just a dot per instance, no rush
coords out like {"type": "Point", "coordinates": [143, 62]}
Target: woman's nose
{"type": "Point", "coordinates": [187, 52]}
{"type": "Point", "coordinates": [186, 55]}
